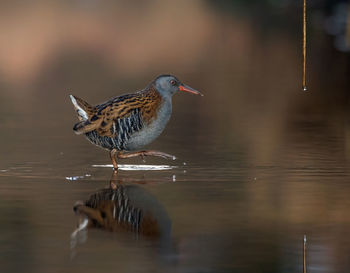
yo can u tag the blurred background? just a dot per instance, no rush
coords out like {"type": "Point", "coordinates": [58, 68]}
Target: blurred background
{"type": "Point", "coordinates": [265, 161]}
{"type": "Point", "coordinates": [244, 55]}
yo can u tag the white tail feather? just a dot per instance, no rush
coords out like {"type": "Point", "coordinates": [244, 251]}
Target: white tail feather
{"type": "Point", "coordinates": [81, 112]}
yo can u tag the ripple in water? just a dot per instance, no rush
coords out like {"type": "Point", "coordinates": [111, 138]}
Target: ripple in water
{"type": "Point", "coordinates": [130, 167]}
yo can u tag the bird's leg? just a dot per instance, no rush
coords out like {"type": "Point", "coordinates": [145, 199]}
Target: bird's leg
{"type": "Point", "coordinates": [113, 181]}
{"type": "Point", "coordinates": [145, 153]}
{"type": "Point", "coordinates": [112, 154]}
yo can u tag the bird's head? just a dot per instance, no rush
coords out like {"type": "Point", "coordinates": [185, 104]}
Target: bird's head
{"type": "Point", "coordinates": [168, 85]}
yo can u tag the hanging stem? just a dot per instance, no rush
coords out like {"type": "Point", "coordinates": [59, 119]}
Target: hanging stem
{"type": "Point", "coordinates": [304, 46]}
{"type": "Point", "coordinates": [347, 31]}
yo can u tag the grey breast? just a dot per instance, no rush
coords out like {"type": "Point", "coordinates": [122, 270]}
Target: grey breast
{"type": "Point", "coordinates": [150, 132]}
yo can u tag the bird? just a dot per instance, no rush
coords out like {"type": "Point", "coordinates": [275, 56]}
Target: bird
{"type": "Point", "coordinates": [125, 124]}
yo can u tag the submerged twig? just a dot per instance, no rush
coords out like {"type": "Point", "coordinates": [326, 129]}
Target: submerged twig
{"type": "Point", "coordinates": [304, 254]}
{"type": "Point", "coordinates": [304, 46]}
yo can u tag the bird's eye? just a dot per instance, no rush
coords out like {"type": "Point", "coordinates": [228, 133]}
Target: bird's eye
{"type": "Point", "coordinates": [172, 82]}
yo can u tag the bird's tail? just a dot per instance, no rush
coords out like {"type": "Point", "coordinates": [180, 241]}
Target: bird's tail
{"type": "Point", "coordinates": [84, 110]}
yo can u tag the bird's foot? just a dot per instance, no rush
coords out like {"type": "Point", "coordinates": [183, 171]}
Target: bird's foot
{"type": "Point", "coordinates": [146, 153]}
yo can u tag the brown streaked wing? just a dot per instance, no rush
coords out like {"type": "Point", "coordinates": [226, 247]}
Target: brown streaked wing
{"type": "Point", "coordinates": [120, 108]}
{"type": "Point", "coordinates": [105, 114]}
{"type": "Point", "coordinates": [147, 103]}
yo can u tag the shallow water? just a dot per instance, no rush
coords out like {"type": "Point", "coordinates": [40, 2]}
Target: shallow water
{"type": "Point", "coordinates": [259, 163]}
{"type": "Point", "coordinates": [229, 210]}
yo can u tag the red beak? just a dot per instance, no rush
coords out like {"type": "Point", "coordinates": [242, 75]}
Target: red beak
{"type": "Point", "coordinates": [186, 88]}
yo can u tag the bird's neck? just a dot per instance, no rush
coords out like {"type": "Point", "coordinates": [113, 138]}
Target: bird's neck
{"type": "Point", "coordinates": [152, 92]}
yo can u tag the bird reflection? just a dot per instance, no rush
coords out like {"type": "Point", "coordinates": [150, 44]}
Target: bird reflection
{"type": "Point", "coordinates": [122, 208]}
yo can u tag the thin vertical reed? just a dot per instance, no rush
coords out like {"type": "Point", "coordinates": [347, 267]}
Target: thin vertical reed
{"type": "Point", "coordinates": [304, 46]}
